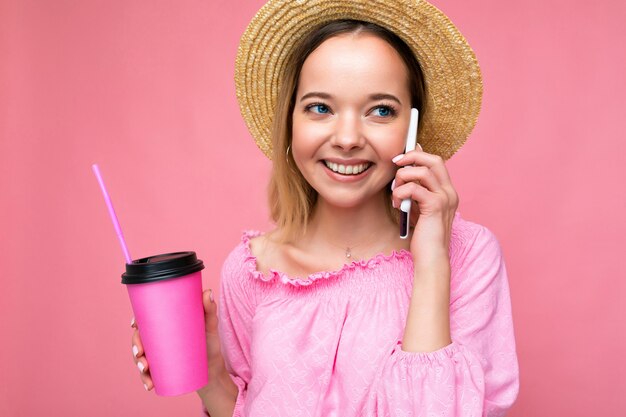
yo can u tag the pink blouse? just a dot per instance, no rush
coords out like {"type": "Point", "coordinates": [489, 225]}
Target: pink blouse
{"type": "Point", "coordinates": [330, 344]}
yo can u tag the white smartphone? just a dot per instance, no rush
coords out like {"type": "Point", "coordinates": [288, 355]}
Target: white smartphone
{"type": "Point", "coordinates": [405, 206]}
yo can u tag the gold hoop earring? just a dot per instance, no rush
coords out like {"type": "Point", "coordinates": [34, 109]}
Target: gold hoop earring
{"type": "Point", "coordinates": [287, 154]}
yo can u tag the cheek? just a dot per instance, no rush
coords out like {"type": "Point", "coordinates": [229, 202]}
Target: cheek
{"type": "Point", "coordinates": [390, 143]}
{"type": "Point", "coordinates": [300, 146]}
{"type": "Point", "coordinates": [306, 138]}
{"type": "Point", "coordinates": [302, 149]}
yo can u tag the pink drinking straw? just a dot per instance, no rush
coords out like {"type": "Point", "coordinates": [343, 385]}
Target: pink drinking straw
{"type": "Point", "coordinates": [116, 223]}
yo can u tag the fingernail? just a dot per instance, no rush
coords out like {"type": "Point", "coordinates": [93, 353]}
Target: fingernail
{"type": "Point", "coordinates": [397, 158]}
{"type": "Point", "coordinates": [132, 322]}
{"type": "Point", "coordinates": [393, 184]}
{"type": "Point", "coordinates": [135, 350]}
{"type": "Point", "coordinates": [211, 296]}
{"type": "Point", "coordinates": [145, 386]}
{"type": "Point", "coordinates": [141, 366]}
{"type": "Point", "coordinates": [421, 149]}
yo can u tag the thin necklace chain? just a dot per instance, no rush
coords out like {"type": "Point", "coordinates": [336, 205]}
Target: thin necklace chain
{"type": "Point", "coordinates": [348, 249]}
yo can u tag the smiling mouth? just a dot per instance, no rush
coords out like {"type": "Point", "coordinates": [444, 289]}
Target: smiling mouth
{"type": "Point", "coordinates": [348, 169]}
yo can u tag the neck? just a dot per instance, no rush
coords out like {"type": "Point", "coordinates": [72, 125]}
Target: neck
{"type": "Point", "coordinates": [364, 227]}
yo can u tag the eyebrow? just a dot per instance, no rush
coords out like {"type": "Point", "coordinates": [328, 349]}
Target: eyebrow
{"type": "Point", "coordinates": [377, 96]}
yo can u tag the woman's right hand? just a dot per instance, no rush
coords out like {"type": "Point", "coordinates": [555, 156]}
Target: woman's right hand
{"type": "Point", "coordinates": [215, 360]}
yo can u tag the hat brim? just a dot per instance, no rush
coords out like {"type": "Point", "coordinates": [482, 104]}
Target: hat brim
{"type": "Point", "coordinates": [451, 72]}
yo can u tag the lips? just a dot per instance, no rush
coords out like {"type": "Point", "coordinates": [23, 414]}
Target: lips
{"type": "Point", "coordinates": [347, 178]}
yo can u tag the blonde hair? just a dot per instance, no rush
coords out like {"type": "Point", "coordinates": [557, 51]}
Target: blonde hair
{"type": "Point", "coordinates": [291, 199]}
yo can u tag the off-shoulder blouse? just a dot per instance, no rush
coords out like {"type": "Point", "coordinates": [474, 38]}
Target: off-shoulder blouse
{"type": "Point", "coordinates": [329, 344]}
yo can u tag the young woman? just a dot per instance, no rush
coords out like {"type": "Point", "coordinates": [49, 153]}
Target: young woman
{"type": "Point", "coordinates": [332, 313]}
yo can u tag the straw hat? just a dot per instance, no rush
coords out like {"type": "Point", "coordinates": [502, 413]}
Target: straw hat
{"type": "Point", "coordinates": [451, 72]}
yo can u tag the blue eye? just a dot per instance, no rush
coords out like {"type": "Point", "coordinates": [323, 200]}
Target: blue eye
{"type": "Point", "coordinates": [323, 109]}
{"type": "Point", "coordinates": [385, 111]}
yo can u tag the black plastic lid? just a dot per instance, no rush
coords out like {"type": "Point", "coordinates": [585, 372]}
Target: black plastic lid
{"type": "Point", "coordinates": [158, 267]}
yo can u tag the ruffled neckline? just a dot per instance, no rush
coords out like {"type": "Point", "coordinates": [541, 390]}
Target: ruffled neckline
{"type": "Point", "coordinates": [364, 264]}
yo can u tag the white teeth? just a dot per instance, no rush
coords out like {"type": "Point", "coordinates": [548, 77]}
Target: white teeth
{"type": "Point", "coordinates": [347, 169]}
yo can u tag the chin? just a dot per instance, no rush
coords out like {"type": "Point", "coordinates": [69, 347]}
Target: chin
{"type": "Point", "coordinates": [344, 200]}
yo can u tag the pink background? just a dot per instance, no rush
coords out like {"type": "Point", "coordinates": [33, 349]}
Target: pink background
{"type": "Point", "coordinates": [145, 89]}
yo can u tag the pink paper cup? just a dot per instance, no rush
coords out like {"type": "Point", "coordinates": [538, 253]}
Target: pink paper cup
{"type": "Point", "coordinates": [166, 295]}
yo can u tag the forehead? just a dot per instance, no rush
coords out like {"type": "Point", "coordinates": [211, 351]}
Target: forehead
{"type": "Point", "coordinates": [349, 63]}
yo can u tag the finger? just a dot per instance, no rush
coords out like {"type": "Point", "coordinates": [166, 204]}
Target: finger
{"type": "Point", "coordinates": [432, 161]}
{"type": "Point", "coordinates": [146, 379]}
{"type": "Point", "coordinates": [429, 202]}
{"type": "Point", "coordinates": [138, 355]}
{"type": "Point", "coordinates": [410, 190]}
{"type": "Point", "coordinates": [147, 383]}
{"type": "Point", "coordinates": [415, 214]}
{"type": "Point", "coordinates": [210, 311]}
{"type": "Point", "coordinates": [137, 346]}
{"type": "Point", "coordinates": [214, 355]}
{"type": "Point", "coordinates": [415, 211]}
{"type": "Point", "coordinates": [142, 365]}
{"type": "Point", "coordinates": [445, 185]}
{"type": "Point", "coordinates": [420, 174]}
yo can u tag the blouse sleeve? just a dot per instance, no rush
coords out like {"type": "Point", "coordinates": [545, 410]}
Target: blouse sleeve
{"type": "Point", "coordinates": [235, 312]}
{"type": "Point", "coordinates": [475, 375]}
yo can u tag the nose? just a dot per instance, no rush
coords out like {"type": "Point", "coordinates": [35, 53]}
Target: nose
{"type": "Point", "coordinates": [348, 132]}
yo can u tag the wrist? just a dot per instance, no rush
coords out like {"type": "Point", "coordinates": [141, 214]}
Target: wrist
{"type": "Point", "coordinates": [432, 260]}
{"type": "Point", "coordinates": [219, 396]}
{"type": "Point", "coordinates": [218, 382]}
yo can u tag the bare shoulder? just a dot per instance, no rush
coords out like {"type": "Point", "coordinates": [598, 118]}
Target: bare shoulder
{"type": "Point", "coordinates": [263, 243]}
{"type": "Point", "coordinates": [267, 251]}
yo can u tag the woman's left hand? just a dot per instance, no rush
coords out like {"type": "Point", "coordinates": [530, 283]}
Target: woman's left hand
{"type": "Point", "coordinates": [423, 177]}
